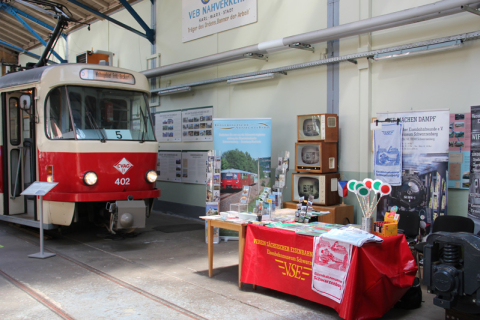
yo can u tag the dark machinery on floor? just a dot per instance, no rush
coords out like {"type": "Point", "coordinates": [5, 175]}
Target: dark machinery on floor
{"type": "Point", "coordinates": [452, 271]}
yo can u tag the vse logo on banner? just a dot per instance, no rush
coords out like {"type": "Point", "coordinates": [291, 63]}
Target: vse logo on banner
{"type": "Point", "coordinates": [206, 17]}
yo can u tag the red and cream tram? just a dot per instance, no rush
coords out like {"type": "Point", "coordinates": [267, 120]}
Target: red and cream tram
{"type": "Point", "coordinates": [87, 127]}
{"type": "Point", "coordinates": [233, 179]}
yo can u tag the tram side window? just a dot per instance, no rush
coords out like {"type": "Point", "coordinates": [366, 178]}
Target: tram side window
{"type": "Point", "coordinates": [14, 114]}
{"type": "Point", "coordinates": [57, 115]}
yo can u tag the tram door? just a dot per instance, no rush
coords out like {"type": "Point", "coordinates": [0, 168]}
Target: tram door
{"type": "Point", "coordinates": [18, 152]}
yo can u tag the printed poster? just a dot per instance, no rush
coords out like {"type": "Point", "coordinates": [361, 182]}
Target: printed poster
{"type": "Point", "coordinates": [425, 143]}
{"type": "Point", "coordinates": [168, 126]}
{"type": "Point", "coordinates": [201, 18]}
{"type": "Point", "coordinates": [459, 143]}
{"type": "Point", "coordinates": [197, 124]}
{"type": "Point", "coordinates": [474, 192]}
{"type": "Point", "coordinates": [388, 153]}
{"type": "Point", "coordinates": [169, 166]}
{"type": "Point", "coordinates": [331, 262]}
{"type": "Point", "coordinates": [245, 149]}
{"type": "Point", "coordinates": [194, 167]}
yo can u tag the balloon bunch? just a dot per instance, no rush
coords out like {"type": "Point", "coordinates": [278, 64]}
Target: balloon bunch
{"type": "Point", "coordinates": [363, 189]}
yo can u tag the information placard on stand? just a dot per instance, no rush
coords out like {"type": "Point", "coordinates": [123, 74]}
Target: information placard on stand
{"type": "Point", "coordinates": [40, 189]}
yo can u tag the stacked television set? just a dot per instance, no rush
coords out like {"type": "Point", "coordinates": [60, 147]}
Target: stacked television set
{"type": "Point", "coordinates": [316, 159]}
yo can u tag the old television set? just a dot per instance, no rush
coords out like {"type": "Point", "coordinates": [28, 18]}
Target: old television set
{"type": "Point", "coordinates": [317, 127]}
{"type": "Point", "coordinates": [316, 157]}
{"type": "Point", "coordinates": [323, 187]}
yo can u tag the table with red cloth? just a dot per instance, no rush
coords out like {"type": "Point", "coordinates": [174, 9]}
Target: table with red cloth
{"type": "Point", "coordinates": [379, 274]}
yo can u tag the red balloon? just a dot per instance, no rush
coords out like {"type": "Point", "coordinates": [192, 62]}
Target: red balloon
{"type": "Point", "coordinates": [368, 184]}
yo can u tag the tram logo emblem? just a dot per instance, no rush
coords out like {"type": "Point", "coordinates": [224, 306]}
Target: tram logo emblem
{"type": "Point", "coordinates": [123, 166]}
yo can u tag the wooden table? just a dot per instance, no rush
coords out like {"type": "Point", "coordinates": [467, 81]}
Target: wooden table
{"type": "Point", "coordinates": [241, 228]}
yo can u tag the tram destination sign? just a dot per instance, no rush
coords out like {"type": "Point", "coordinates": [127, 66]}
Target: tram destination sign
{"type": "Point", "coordinates": [103, 75]}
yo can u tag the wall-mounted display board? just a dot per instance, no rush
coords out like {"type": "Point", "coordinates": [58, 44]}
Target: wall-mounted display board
{"type": "Point", "coordinates": [201, 18]}
{"type": "Point", "coordinates": [194, 166]}
{"type": "Point", "coordinates": [193, 124]}
{"type": "Point", "coordinates": [169, 166]}
{"type": "Point", "coordinates": [197, 124]}
{"type": "Point", "coordinates": [168, 126]}
{"type": "Point", "coordinates": [459, 149]}
{"type": "Point", "coordinates": [182, 166]}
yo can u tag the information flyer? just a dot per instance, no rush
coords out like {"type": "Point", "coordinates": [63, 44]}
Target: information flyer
{"type": "Point", "coordinates": [474, 192]}
{"type": "Point", "coordinates": [245, 148]}
{"type": "Point", "coordinates": [425, 143]}
{"type": "Point", "coordinates": [197, 124]}
{"type": "Point", "coordinates": [194, 167]}
{"type": "Point", "coordinates": [459, 145]}
{"type": "Point", "coordinates": [168, 126]}
{"type": "Point", "coordinates": [169, 166]}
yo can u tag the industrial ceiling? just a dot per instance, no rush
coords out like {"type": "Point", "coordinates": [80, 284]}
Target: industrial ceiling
{"type": "Point", "coordinates": [25, 24]}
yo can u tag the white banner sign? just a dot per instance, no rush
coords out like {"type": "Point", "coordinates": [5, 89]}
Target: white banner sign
{"type": "Point", "coordinates": [201, 18]}
{"type": "Point", "coordinates": [424, 131]}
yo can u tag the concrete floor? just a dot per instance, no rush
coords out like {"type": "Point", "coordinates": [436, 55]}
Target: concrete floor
{"type": "Point", "coordinates": [154, 275]}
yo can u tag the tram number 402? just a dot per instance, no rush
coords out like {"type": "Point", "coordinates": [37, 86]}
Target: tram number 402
{"type": "Point", "coordinates": [122, 182]}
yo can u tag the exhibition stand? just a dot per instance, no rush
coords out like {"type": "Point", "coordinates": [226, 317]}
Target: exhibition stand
{"type": "Point", "coordinates": [378, 277]}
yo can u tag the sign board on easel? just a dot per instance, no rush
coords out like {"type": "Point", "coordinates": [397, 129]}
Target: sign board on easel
{"type": "Point", "coordinates": [40, 189]}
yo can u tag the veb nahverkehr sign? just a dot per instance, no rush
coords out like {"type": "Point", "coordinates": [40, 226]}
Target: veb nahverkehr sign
{"type": "Point", "coordinates": [201, 18]}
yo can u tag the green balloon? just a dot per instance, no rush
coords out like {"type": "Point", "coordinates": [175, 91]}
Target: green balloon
{"type": "Point", "coordinates": [376, 185]}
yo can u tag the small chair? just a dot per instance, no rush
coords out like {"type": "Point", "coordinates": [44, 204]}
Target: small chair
{"type": "Point", "coordinates": [409, 223]}
{"type": "Point", "coordinates": [447, 224]}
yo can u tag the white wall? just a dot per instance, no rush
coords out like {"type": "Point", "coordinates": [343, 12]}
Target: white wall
{"type": "Point", "coordinates": [432, 81]}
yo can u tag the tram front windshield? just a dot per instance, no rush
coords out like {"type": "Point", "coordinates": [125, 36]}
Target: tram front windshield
{"type": "Point", "coordinates": [86, 113]}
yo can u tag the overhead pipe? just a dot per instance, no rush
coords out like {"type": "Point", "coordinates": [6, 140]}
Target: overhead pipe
{"type": "Point", "coordinates": [391, 20]}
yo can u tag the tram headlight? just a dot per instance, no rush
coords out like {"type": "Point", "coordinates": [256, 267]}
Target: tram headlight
{"type": "Point", "coordinates": [90, 178]}
{"type": "Point", "coordinates": [151, 176]}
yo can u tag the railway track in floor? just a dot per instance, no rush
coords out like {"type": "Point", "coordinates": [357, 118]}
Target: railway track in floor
{"type": "Point", "coordinates": [62, 314]}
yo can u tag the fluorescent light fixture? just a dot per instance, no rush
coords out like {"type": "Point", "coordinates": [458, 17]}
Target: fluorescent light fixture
{"type": "Point", "coordinates": [173, 91]}
{"type": "Point", "coordinates": [259, 77]}
{"type": "Point", "coordinates": [419, 50]}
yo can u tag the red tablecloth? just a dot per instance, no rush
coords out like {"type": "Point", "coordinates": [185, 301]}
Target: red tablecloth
{"type": "Point", "coordinates": [378, 277]}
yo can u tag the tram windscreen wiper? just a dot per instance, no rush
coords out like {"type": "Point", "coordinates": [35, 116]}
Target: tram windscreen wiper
{"type": "Point", "coordinates": [144, 126]}
{"type": "Point", "coordinates": [94, 125]}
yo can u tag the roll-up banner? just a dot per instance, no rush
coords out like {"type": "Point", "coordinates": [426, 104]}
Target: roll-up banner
{"type": "Point", "coordinates": [425, 143]}
{"type": "Point", "coordinates": [474, 192]}
{"type": "Point", "coordinates": [245, 147]}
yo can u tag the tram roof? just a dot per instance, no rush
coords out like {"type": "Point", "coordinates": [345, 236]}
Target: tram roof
{"type": "Point", "coordinates": [22, 77]}
{"type": "Point", "coordinates": [236, 171]}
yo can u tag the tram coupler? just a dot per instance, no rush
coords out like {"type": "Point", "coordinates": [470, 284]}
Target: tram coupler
{"type": "Point", "coordinates": [127, 214]}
